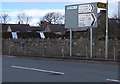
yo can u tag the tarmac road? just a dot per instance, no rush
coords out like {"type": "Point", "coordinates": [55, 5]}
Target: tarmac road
{"type": "Point", "coordinates": [44, 70]}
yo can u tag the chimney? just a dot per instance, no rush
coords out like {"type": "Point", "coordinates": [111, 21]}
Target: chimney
{"type": "Point", "coordinates": [19, 22]}
{"type": "Point", "coordinates": [102, 11]}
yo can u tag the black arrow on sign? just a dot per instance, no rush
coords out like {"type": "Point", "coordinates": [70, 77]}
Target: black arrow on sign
{"type": "Point", "coordinates": [93, 20]}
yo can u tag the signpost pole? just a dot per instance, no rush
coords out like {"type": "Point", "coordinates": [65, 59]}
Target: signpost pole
{"type": "Point", "coordinates": [106, 38]}
{"type": "Point", "coordinates": [70, 41]}
{"type": "Point", "coordinates": [91, 42]}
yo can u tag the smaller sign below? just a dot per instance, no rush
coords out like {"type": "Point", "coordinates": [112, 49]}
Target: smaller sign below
{"type": "Point", "coordinates": [85, 8]}
{"type": "Point", "coordinates": [42, 35]}
{"type": "Point", "coordinates": [86, 20]}
{"type": "Point", "coordinates": [101, 5]}
{"type": "Point", "coordinates": [14, 35]}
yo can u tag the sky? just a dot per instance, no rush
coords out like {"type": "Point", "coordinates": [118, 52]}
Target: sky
{"type": "Point", "coordinates": [38, 8]}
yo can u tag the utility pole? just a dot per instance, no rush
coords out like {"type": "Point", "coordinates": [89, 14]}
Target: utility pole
{"type": "Point", "coordinates": [106, 38]}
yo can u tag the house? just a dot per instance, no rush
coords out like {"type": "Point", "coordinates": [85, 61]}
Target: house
{"type": "Point", "coordinates": [56, 28]}
{"type": "Point", "coordinates": [20, 28]}
{"type": "Point", "coordinates": [15, 27]}
{"type": "Point", "coordinates": [116, 20]}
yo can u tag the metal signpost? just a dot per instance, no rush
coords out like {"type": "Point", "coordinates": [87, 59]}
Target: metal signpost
{"type": "Point", "coordinates": [81, 16]}
{"type": "Point", "coordinates": [106, 40]}
{"type": "Point", "coordinates": [70, 41]}
{"type": "Point", "coordinates": [85, 16]}
{"type": "Point", "coordinates": [91, 51]}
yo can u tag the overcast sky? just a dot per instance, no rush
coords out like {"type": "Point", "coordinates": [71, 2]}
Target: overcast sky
{"type": "Point", "coordinates": [38, 8]}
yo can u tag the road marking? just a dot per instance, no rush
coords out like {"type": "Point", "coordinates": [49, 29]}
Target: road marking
{"type": "Point", "coordinates": [113, 80]}
{"type": "Point", "coordinates": [41, 70]}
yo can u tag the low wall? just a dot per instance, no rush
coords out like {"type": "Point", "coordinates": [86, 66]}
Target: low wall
{"type": "Point", "coordinates": [59, 47]}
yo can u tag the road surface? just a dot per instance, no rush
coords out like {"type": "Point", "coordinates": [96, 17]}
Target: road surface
{"type": "Point", "coordinates": [46, 70]}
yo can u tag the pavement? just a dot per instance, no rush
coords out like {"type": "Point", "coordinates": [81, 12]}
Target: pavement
{"type": "Point", "coordinates": [16, 69]}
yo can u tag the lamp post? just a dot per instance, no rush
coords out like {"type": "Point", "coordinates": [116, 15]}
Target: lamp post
{"type": "Point", "coordinates": [106, 38]}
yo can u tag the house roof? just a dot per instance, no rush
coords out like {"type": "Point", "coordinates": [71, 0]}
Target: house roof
{"type": "Point", "coordinates": [61, 28]}
{"type": "Point", "coordinates": [16, 27]}
{"type": "Point", "coordinates": [117, 20]}
{"type": "Point", "coordinates": [36, 28]}
{"type": "Point", "coordinates": [20, 27]}
{"type": "Point", "coordinates": [55, 28]}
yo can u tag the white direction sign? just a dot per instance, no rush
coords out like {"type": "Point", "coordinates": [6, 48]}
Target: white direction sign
{"type": "Point", "coordinates": [86, 8]}
{"type": "Point", "coordinates": [86, 20]}
{"type": "Point", "coordinates": [83, 16]}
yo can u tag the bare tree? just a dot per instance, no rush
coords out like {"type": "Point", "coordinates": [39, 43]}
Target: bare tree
{"type": "Point", "coordinates": [23, 18]}
{"type": "Point", "coordinates": [28, 19]}
{"type": "Point", "coordinates": [53, 18]}
{"type": "Point", "coordinates": [0, 19]}
{"type": "Point", "coordinates": [61, 20]}
{"type": "Point", "coordinates": [48, 17]}
{"type": "Point", "coordinates": [39, 22]}
{"type": "Point", "coordinates": [5, 18]}
{"type": "Point", "coordinates": [115, 16]}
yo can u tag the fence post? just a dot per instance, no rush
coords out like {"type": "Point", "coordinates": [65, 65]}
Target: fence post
{"type": "Point", "coordinates": [101, 52]}
{"type": "Point", "coordinates": [63, 49]}
{"type": "Point", "coordinates": [86, 52]}
{"type": "Point", "coordinates": [9, 50]}
{"type": "Point", "coordinates": [43, 47]}
{"type": "Point", "coordinates": [114, 53]}
{"type": "Point", "coordinates": [25, 50]}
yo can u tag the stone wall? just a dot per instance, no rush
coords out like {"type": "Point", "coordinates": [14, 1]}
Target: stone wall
{"type": "Point", "coordinates": [59, 47]}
